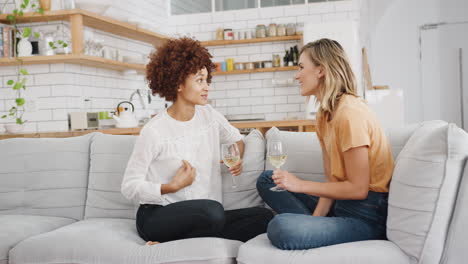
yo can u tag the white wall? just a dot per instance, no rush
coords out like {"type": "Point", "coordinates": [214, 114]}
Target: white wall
{"type": "Point", "coordinates": [253, 95]}
{"type": "Point", "coordinates": [391, 33]}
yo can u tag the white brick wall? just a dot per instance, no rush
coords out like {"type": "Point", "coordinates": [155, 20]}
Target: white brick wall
{"type": "Point", "coordinates": [57, 89]}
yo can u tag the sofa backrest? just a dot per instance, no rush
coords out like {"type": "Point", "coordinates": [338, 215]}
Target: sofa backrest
{"type": "Point", "coordinates": [305, 154]}
{"type": "Point", "coordinates": [109, 156]}
{"type": "Point", "coordinates": [44, 176]}
{"type": "Point", "coordinates": [455, 244]}
{"type": "Point", "coordinates": [424, 188]}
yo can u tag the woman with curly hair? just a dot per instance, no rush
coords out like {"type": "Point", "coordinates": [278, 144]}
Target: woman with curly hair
{"type": "Point", "coordinates": [174, 170]}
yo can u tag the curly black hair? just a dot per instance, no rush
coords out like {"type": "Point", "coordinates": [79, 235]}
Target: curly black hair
{"type": "Point", "coordinates": [173, 62]}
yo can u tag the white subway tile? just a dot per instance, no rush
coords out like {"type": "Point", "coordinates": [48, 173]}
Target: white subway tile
{"type": "Point", "coordinates": [285, 20]}
{"type": "Point", "coordinates": [51, 102]}
{"type": "Point", "coordinates": [227, 102]}
{"type": "Point", "coordinates": [238, 93]}
{"type": "Point", "coordinates": [286, 91]}
{"type": "Point", "coordinates": [271, 12]}
{"type": "Point", "coordinates": [53, 78]}
{"type": "Point", "coordinates": [251, 101]}
{"type": "Point", "coordinates": [224, 52]}
{"type": "Point", "coordinates": [247, 14]}
{"type": "Point", "coordinates": [7, 93]}
{"type": "Point", "coordinates": [222, 110]}
{"type": "Point", "coordinates": [39, 115]}
{"type": "Point", "coordinates": [66, 90]}
{"type": "Point", "coordinates": [236, 26]}
{"type": "Point", "coordinates": [217, 94]}
{"type": "Point", "coordinates": [267, 82]}
{"type": "Point", "coordinates": [346, 5]}
{"type": "Point", "coordinates": [276, 116]}
{"type": "Point", "coordinates": [296, 10]}
{"type": "Point", "coordinates": [204, 36]}
{"type": "Point", "coordinates": [237, 77]}
{"type": "Point", "coordinates": [316, 19]}
{"type": "Point", "coordinates": [335, 17]}
{"type": "Point", "coordinates": [10, 70]}
{"type": "Point", "coordinates": [40, 68]}
{"type": "Point", "coordinates": [272, 48]}
{"type": "Point", "coordinates": [38, 91]}
{"type": "Point", "coordinates": [250, 84]}
{"type": "Point", "coordinates": [288, 108]}
{"type": "Point", "coordinates": [276, 100]}
{"type": "Point", "coordinates": [227, 85]}
{"type": "Point", "coordinates": [52, 126]}
{"type": "Point", "coordinates": [261, 75]}
{"type": "Point", "coordinates": [226, 16]}
{"type": "Point", "coordinates": [58, 67]}
{"type": "Point", "coordinates": [239, 110]}
{"type": "Point", "coordinates": [248, 50]}
{"type": "Point", "coordinates": [261, 109]}
{"type": "Point", "coordinates": [73, 68]}
{"type": "Point", "coordinates": [188, 29]}
{"type": "Point", "coordinates": [321, 8]}
{"type": "Point", "coordinates": [62, 114]}
{"type": "Point", "coordinates": [262, 92]}
{"type": "Point", "coordinates": [292, 99]}
{"type": "Point", "coordinates": [219, 78]}
{"type": "Point", "coordinates": [2, 106]}
{"type": "Point", "coordinates": [296, 115]}
{"type": "Point", "coordinates": [259, 57]}
{"type": "Point", "coordinates": [210, 27]}
{"type": "Point", "coordinates": [251, 24]}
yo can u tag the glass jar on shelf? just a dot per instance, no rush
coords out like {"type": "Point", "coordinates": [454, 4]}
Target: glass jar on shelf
{"type": "Point", "coordinates": [291, 29]}
{"type": "Point", "coordinates": [260, 31]}
{"type": "Point", "coordinates": [272, 30]}
{"type": "Point", "coordinates": [281, 30]}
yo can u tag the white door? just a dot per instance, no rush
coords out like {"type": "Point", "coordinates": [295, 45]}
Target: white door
{"type": "Point", "coordinates": [444, 73]}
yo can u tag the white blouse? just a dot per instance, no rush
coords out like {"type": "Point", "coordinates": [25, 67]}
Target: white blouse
{"type": "Point", "coordinates": [162, 145]}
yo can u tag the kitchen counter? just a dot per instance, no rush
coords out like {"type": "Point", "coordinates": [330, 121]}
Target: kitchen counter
{"type": "Point", "coordinates": [263, 126]}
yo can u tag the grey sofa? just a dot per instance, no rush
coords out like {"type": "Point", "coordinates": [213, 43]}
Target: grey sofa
{"type": "Point", "coordinates": [60, 202]}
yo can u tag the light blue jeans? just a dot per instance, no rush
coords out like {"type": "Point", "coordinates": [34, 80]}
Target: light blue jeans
{"type": "Point", "coordinates": [295, 228]}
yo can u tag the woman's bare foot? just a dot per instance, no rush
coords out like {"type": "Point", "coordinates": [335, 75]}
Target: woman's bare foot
{"type": "Point", "coordinates": [150, 243]}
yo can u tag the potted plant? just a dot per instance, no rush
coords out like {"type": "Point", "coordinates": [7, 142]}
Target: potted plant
{"type": "Point", "coordinates": [19, 85]}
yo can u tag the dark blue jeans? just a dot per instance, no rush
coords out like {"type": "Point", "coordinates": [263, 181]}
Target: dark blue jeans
{"type": "Point", "coordinates": [295, 228]}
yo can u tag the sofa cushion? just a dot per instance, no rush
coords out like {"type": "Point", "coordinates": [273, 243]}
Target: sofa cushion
{"type": "Point", "coordinates": [259, 250]}
{"type": "Point", "coordinates": [245, 194]}
{"type": "Point", "coordinates": [399, 136]}
{"type": "Point", "coordinates": [456, 241]}
{"type": "Point", "coordinates": [304, 153]}
{"type": "Point", "coordinates": [104, 240]}
{"type": "Point", "coordinates": [423, 189]}
{"type": "Point", "coordinates": [109, 157]}
{"type": "Point", "coordinates": [44, 176]}
{"type": "Point", "coordinates": [15, 228]}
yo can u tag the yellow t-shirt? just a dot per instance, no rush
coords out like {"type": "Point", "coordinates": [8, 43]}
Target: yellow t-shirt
{"type": "Point", "coordinates": [355, 125]}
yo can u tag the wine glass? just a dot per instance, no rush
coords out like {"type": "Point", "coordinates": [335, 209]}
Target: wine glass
{"type": "Point", "coordinates": [231, 156]}
{"type": "Point", "coordinates": [277, 157]}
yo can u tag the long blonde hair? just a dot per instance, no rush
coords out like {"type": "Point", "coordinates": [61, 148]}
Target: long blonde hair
{"type": "Point", "coordinates": [338, 79]}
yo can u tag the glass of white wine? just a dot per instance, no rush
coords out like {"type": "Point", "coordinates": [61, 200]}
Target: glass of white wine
{"type": "Point", "coordinates": [231, 156]}
{"type": "Point", "coordinates": [277, 157]}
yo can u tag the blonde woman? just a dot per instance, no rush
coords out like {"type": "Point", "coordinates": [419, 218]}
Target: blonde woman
{"type": "Point", "coordinates": [352, 204]}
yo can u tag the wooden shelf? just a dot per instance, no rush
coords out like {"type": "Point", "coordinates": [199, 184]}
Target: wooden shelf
{"type": "Point", "coordinates": [74, 59]}
{"type": "Point", "coordinates": [275, 69]}
{"type": "Point", "coordinates": [95, 21]}
{"type": "Point", "coordinates": [246, 41]}
{"type": "Point", "coordinates": [263, 126]}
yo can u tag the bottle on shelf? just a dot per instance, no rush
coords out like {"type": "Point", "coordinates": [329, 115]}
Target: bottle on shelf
{"type": "Point", "coordinates": [291, 57]}
{"type": "Point", "coordinates": [295, 56]}
{"type": "Point", "coordinates": [286, 59]}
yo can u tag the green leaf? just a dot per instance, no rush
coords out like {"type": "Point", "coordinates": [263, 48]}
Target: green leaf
{"type": "Point", "coordinates": [26, 2]}
{"type": "Point", "coordinates": [51, 44]}
{"type": "Point", "coordinates": [19, 121]}
{"type": "Point", "coordinates": [10, 82]}
{"type": "Point", "coordinates": [4, 116]}
{"type": "Point", "coordinates": [37, 35]}
{"type": "Point", "coordinates": [11, 18]}
{"type": "Point", "coordinates": [11, 114]}
{"type": "Point", "coordinates": [65, 45]}
{"type": "Point", "coordinates": [15, 11]}
{"type": "Point", "coordinates": [24, 71]}
{"type": "Point", "coordinates": [17, 86]}
{"type": "Point", "coordinates": [27, 32]}
{"type": "Point", "coordinates": [24, 87]}
{"type": "Point", "coordinates": [19, 101]}
{"type": "Point", "coordinates": [33, 5]}
{"type": "Point", "coordinates": [41, 11]}
{"type": "Point", "coordinates": [23, 6]}
{"type": "Point", "coordinates": [21, 13]}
